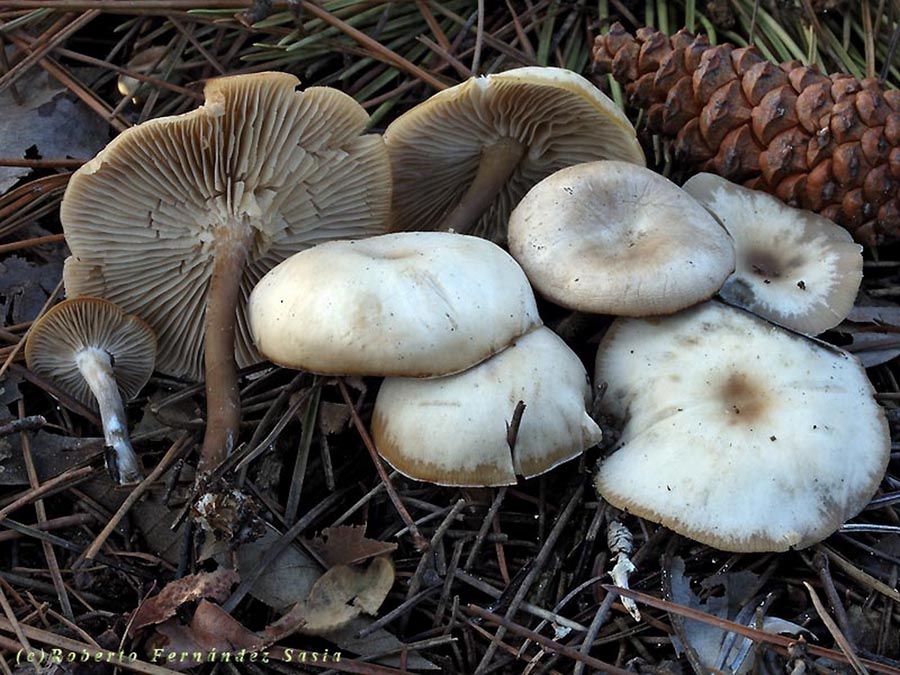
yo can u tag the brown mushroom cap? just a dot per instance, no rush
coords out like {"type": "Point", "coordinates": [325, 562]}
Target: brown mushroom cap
{"type": "Point", "coordinates": [611, 237]}
{"type": "Point", "coordinates": [738, 433]}
{"type": "Point", "coordinates": [793, 267]}
{"type": "Point", "coordinates": [78, 324]}
{"type": "Point", "coordinates": [558, 116]}
{"type": "Point", "coordinates": [291, 168]}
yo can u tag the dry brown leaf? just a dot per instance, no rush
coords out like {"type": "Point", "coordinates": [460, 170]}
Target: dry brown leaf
{"type": "Point", "coordinates": [339, 596]}
{"type": "Point", "coordinates": [347, 545]}
{"type": "Point", "coordinates": [333, 417]}
{"type": "Point", "coordinates": [211, 630]}
{"type": "Point", "coordinates": [216, 585]}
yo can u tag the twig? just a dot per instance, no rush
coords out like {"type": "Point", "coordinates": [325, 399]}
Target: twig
{"type": "Point", "coordinates": [67, 645]}
{"type": "Point", "coordinates": [26, 243]}
{"type": "Point", "coordinates": [536, 568]}
{"type": "Point", "coordinates": [754, 634]}
{"type": "Point", "coordinates": [41, 513]}
{"type": "Point", "coordinates": [485, 526]}
{"type": "Point", "coordinates": [62, 480]}
{"type": "Point", "coordinates": [836, 633]}
{"type": "Point", "coordinates": [30, 423]}
{"type": "Point", "coordinates": [545, 642]}
{"type": "Point", "coordinates": [418, 540]}
{"type": "Point", "coordinates": [170, 456]}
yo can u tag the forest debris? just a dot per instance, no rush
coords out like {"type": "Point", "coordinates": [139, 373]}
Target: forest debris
{"type": "Point", "coordinates": [165, 604]}
{"type": "Point", "coordinates": [339, 596]}
{"type": "Point", "coordinates": [48, 122]}
{"type": "Point", "coordinates": [347, 545]}
{"type": "Point", "coordinates": [712, 649]}
{"type": "Point", "coordinates": [52, 454]}
{"type": "Point", "coordinates": [211, 630]}
{"type": "Point", "coordinates": [619, 540]}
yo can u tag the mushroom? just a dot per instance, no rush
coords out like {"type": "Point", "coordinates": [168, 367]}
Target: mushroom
{"type": "Point", "coordinates": [610, 237]}
{"type": "Point", "coordinates": [98, 354]}
{"type": "Point", "coordinates": [454, 430]}
{"type": "Point", "coordinates": [738, 433]}
{"type": "Point", "coordinates": [794, 267]}
{"type": "Point", "coordinates": [463, 158]}
{"type": "Point", "coordinates": [414, 304]}
{"type": "Point", "coordinates": [177, 218]}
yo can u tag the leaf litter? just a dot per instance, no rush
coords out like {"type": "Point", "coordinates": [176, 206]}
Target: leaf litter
{"type": "Point", "coordinates": [494, 556]}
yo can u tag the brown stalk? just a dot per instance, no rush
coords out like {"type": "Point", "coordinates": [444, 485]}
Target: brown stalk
{"type": "Point", "coordinates": [496, 165]}
{"type": "Point", "coordinates": [223, 401]}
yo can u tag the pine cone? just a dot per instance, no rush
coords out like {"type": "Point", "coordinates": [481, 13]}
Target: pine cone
{"type": "Point", "coordinates": [830, 144]}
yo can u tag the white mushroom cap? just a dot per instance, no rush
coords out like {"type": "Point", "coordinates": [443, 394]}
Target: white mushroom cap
{"type": "Point", "coordinates": [610, 237]}
{"type": "Point", "coordinates": [411, 304]}
{"type": "Point", "coordinates": [737, 433]}
{"type": "Point", "coordinates": [794, 267]}
{"type": "Point", "coordinates": [558, 116]}
{"type": "Point", "coordinates": [453, 430]}
{"type": "Point", "coordinates": [286, 168]}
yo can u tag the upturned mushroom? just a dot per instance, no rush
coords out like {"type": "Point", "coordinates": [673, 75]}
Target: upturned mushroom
{"type": "Point", "coordinates": [794, 267]}
{"type": "Point", "coordinates": [455, 430]}
{"type": "Point", "coordinates": [179, 217]}
{"type": "Point", "coordinates": [98, 354]}
{"type": "Point", "coordinates": [409, 304]}
{"type": "Point", "coordinates": [462, 159]}
{"type": "Point", "coordinates": [735, 432]}
{"type": "Point", "coordinates": [611, 237]}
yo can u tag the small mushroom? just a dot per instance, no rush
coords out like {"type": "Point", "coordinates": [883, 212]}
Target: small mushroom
{"type": "Point", "coordinates": [177, 219]}
{"type": "Point", "coordinates": [794, 267]}
{"type": "Point", "coordinates": [98, 354]}
{"type": "Point", "coordinates": [610, 237]}
{"type": "Point", "coordinates": [455, 430]}
{"type": "Point", "coordinates": [462, 159]}
{"type": "Point", "coordinates": [413, 304]}
{"type": "Point", "coordinates": [738, 433]}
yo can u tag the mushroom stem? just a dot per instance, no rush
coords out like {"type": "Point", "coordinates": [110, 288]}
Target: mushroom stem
{"type": "Point", "coordinates": [497, 163]}
{"type": "Point", "coordinates": [223, 402]}
{"type": "Point", "coordinates": [96, 368]}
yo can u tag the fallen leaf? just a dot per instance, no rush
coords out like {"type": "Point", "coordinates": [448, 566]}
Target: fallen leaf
{"type": "Point", "coordinates": [9, 388]}
{"type": "Point", "coordinates": [377, 643]}
{"type": "Point", "coordinates": [339, 596]}
{"type": "Point", "coordinates": [50, 121]}
{"type": "Point", "coordinates": [211, 631]}
{"type": "Point", "coordinates": [286, 580]}
{"type": "Point", "coordinates": [347, 545]}
{"type": "Point", "coordinates": [216, 585]}
{"type": "Point", "coordinates": [712, 649]}
{"type": "Point", "coordinates": [52, 454]}
{"type": "Point", "coordinates": [333, 417]}
{"type": "Point", "coordinates": [25, 287]}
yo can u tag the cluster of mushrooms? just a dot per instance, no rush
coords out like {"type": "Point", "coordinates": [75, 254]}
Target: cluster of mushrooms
{"type": "Point", "coordinates": [253, 227]}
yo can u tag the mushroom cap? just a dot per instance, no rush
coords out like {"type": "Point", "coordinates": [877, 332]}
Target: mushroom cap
{"type": "Point", "coordinates": [738, 433]}
{"type": "Point", "coordinates": [453, 430]}
{"type": "Point", "coordinates": [78, 324]}
{"type": "Point", "coordinates": [610, 237]}
{"type": "Point", "coordinates": [410, 304]}
{"type": "Point", "coordinates": [140, 217]}
{"type": "Point", "coordinates": [794, 267]}
{"type": "Point", "coordinates": [435, 147]}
